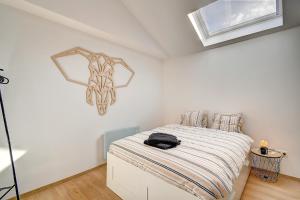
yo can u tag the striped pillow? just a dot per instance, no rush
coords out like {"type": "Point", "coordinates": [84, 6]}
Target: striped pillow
{"type": "Point", "coordinates": [194, 118]}
{"type": "Point", "coordinates": [227, 122]}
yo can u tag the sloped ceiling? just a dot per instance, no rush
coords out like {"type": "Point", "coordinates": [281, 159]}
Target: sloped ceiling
{"type": "Point", "coordinates": [167, 22]}
{"type": "Point", "coordinates": [106, 19]}
{"type": "Point", "coordinates": [158, 28]}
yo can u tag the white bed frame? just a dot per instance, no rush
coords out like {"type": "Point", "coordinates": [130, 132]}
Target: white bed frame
{"type": "Point", "coordinates": [132, 183]}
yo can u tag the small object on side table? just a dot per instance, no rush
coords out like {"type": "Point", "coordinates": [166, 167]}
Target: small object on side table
{"type": "Point", "coordinates": [266, 166]}
{"type": "Point", "coordinates": [264, 150]}
{"type": "Point", "coordinates": [264, 147]}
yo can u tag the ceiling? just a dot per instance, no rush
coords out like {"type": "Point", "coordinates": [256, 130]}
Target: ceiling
{"type": "Point", "coordinates": [167, 22]}
{"type": "Point", "coordinates": [159, 28]}
{"type": "Point", "coordinates": [109, 20]}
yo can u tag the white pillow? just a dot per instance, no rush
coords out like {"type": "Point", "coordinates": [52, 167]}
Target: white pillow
{"type": "Point", "coordinates": [227, 122]}
{"type": "Point", "coordinates": [194, 118]}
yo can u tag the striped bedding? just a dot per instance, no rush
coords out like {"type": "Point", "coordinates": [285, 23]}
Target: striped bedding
{"type": "Point", "coordinates": [205, 164]}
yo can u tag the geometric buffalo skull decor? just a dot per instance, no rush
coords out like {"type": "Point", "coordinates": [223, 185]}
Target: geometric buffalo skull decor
{"type": "Point", "coordinates": [100, 84]}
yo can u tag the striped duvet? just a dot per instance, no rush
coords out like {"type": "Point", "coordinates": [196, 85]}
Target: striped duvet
{"type": "Point", "coordinates": [205, 164]}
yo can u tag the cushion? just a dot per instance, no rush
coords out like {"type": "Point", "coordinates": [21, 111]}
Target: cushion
{"type": "Point", "coordinates": [194, 118]}
{"type": "Point", "coordinates": [227, 122]}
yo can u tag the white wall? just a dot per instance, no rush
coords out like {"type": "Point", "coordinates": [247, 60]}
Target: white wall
{"type": "Point", "coordinates": [259, 77]}
{"type": "Point", "coordinates": [48, 116]}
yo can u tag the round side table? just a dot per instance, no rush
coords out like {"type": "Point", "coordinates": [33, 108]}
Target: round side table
{"type": "Point", "coordinates": [266, 166]}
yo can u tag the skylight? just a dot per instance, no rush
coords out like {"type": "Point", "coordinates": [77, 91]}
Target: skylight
{"type": "Point", "coordinates": [228, 19]}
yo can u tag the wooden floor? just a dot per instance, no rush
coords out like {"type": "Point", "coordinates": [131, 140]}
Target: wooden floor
{"type": "Point", "coordinates": [286, 188]}
{"type": "Point", "coordinates": [91, 186]}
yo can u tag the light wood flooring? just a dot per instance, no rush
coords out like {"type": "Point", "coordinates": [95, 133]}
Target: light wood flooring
{"type": "Point", "coordinates": [91, 186]}
{"type": "Point", "coordinates": [286, 188]}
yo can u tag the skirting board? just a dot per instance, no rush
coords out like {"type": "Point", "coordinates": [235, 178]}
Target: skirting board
{"type": "Point", "coordinates": [132, 183]}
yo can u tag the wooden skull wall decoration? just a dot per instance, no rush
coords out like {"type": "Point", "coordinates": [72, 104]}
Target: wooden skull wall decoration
{"type": "Point", "coordinates": [100, 85]}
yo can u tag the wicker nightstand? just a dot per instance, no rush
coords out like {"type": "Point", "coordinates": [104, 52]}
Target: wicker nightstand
{"type": "Point", "coordinates": [266, 167]}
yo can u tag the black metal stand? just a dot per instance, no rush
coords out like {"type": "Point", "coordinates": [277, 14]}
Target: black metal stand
{"type": "Point", "coordinates": [266, 166]}
{"type": "Point", "coordinates": [7, 189]}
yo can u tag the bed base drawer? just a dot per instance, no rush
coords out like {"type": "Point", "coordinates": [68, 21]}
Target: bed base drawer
{"type": "Point", "coordinates": [132, 183]}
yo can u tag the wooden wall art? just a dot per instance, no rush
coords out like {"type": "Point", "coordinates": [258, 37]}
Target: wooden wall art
{"type": "Point", "coordinates": [100, 85]}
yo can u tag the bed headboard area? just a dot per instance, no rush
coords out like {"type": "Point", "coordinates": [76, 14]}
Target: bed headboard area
{"type": "Point", "coordinates": [111, 136]}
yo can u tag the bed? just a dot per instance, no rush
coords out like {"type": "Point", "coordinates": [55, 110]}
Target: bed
{"type": "Point", "coordinates": [208, 164]}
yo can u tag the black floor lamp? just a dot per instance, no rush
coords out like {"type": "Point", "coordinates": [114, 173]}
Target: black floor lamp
{"type": "Point", "coordinates": [4, 80]}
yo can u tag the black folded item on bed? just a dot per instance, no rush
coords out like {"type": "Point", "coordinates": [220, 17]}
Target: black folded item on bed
{"type": "Point", "coordinates": [162, 141]}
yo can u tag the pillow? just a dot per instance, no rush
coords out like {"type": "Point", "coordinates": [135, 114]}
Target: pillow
{"type": "Point", "coordinates": [227, 122]}
{"type": "Point", "coordinates": [194, 118]}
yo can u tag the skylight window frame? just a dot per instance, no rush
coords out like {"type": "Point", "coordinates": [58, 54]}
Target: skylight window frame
{"type": "Point", "coordinates": [271, 20]}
